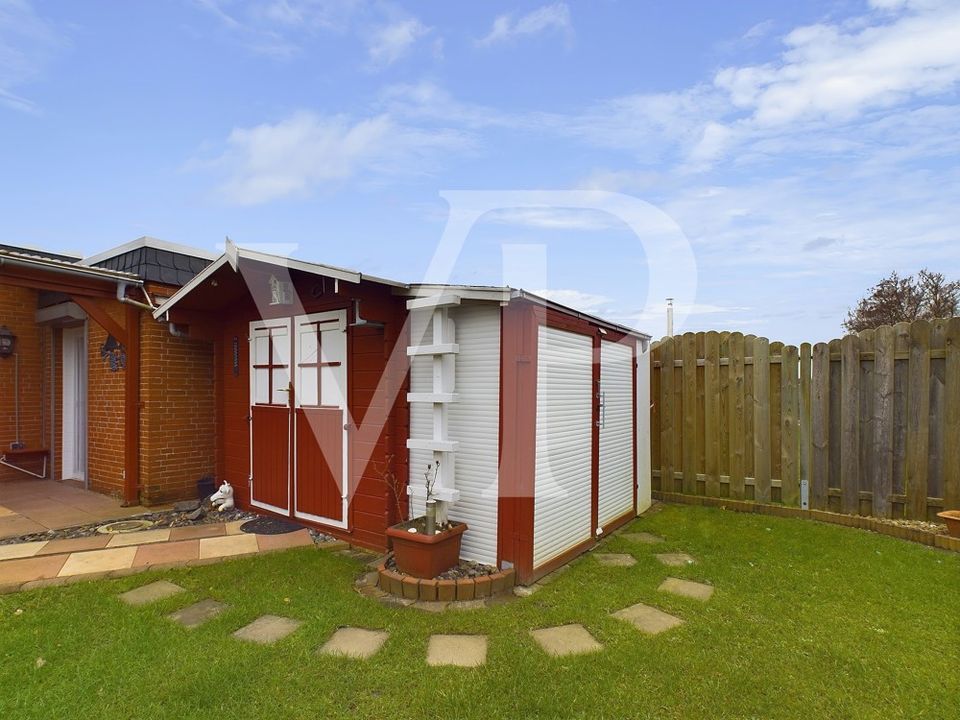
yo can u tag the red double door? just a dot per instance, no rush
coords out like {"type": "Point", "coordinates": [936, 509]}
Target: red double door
{"type": "Point", "coordinates": [298, 409]}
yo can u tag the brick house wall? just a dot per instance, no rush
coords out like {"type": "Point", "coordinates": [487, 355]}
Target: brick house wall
{"type": "Point", "coordinates": [105, 412]}
{"type": "Point", "coordinates": [178, 413]}
{"type": "Point", "coordinates": [17, 311]}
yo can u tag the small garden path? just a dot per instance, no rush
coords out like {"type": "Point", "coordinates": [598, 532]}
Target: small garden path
{"type": "Point", "coordinates": [461, 650]}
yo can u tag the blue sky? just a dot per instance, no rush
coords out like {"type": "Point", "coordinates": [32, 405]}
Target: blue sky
{"type": "Point", "coordinates": [804, 150]}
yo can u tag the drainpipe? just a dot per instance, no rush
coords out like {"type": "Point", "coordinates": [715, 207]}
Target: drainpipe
{"type": "Point", "coordinates": [122, 297]}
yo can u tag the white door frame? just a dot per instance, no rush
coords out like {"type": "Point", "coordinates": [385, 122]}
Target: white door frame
{"type": "Point", "coordinates": [254, 326]}
{"type": "Point", "coordinates": [338, 321]}
{"type": "Point", "coordinates": [74, 404]}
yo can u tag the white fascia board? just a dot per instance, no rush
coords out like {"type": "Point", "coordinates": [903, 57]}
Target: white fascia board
{"type": "Point", "coordinates": [464, 292]}
{"type": "Point", "coordinates": [150, 242]}
{"type": "Point", "coordinates": [540, 300]}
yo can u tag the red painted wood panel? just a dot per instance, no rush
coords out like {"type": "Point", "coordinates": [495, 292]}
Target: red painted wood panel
{"type": "Point", "coordinates": [320, 462]}
{"type": "Point", "coordinates": [271, 455]}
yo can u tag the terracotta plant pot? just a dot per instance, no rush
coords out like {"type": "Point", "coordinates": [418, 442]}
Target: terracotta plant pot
{"type": "Point", "coordinates": [425, 556]}
{"type": "Point", "coordinates": [952, 519]}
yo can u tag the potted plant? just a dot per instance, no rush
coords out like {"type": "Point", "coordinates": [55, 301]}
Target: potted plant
{"type": "Point", "coordinates": [952, 519]}
{"type": "Point", "coordinates": [422, 547]}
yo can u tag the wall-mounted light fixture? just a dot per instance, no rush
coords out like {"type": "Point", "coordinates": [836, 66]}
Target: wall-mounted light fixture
{"type": "Point", "coordinates": [8, 342]}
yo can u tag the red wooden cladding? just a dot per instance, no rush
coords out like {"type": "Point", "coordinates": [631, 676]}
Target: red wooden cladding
{"type": "Point", "coordinates": [271, 455]}
{"type": "Point", "coordinates": [319, 466]}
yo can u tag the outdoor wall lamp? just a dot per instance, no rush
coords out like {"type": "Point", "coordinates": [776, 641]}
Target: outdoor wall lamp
{"type": "Point", "coordinates": [7, 342]}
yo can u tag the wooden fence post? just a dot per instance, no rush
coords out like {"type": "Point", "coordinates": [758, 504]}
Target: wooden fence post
{"type": "Point", "coordinates": [789, 440]}
{"type": "Point", "coordinates": [806, 439]}
{"type": "Point", "coordinates": [737, 417]}
{"type": "Point", "coordinates": [666, 415]}
{"type": "Point", "coordinates": [951, 430]}
{"type": "Point", "coordinates": [918, 420]}
{"type": "Point", "coordinates": [882, 445]}
{"type": "Point", "coordinates": [761, 419]}
{"type": "Point", "coordinates": [711, 413]}
{"type": "Point", "coordinates": [820, 427]}
{"type": "Point", "coordinates": [850, 424]}
{"type": "Point", "coordinates": [689, 432]}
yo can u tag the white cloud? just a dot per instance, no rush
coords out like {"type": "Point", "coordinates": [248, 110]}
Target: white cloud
{"type": "Point", "coordinates": [551, 218]}
{"type": "Point", "coordinates": [308, 151]}
{"type": "Point", "coordinates": [27, 43]}
{"type": "Point", "coordinates": [391, 42]}
{"type": "Point", "coordinates": [831, 72]}
{"type": "Point", "coordinates": [506, 28]}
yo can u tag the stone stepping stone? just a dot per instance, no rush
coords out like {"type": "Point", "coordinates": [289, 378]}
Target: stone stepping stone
{"type": "Point", "coordinates": [643, 537]}
{"type": "Point", "coordinates": [197, 614]}
{"type": "Point", "coordinates": [355, 643]}
{"type": "Point", "coordinates": [677, 559]}
{"type": "Point", "coordinates": [648, 619]}
{"type": "Point", "coordinates": [267, 629]}
{"type": "Point", "coordinates": [153, 592]}
{"type": "Point", "coordinates": [457, 650]}
{"type": "Point", "coordinates": [566, 640]}
{"type": "Point", "coordinates": [687, 588]}
{"type": "Point", "coordinates": [615, 559]}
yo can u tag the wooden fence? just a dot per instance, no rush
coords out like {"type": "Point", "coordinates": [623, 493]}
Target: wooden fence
{"type": "Point", "coordinates": [868, 424]}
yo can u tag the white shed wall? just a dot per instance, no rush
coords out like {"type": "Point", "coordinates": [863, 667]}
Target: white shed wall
{"type": "Point", "coordinates": [615, 489]}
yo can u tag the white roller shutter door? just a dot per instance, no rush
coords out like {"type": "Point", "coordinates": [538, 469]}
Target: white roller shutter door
{"type": "Point", "coordinates": [562, 483]}
{"type": "Point", "coordinates": [615, 494]}
{"type": "Point", "coordinates": [473, 421]}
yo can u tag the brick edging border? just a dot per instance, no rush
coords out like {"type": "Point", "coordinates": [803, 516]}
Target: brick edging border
{"type": "Point", "coordinates": [924, 537]}
{"type": "Point", "coordinates": [412, 588]}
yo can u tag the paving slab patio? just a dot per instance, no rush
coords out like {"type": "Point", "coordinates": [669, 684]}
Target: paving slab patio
{"type": "Point", "coordinates": [197, 614]}
{"type": "Point", "coordinates": [228, 545]}
{"type": "Point", "coordinates": [167, 553]}
{"type": "Point", "coordinates": [354, 642]}
{"type": "Point", "coordinates": [195, 532]}
{"type": "Point", "coordinates": [676, 559]}
{"type": "Point", "coordinates": [565, 640]}
{"type": "Point", "coordinates": [687, 588]}
{"type": "Point", "coordinates": [615, 559]}
{"type": "Point", "coordinates": [299, 538]}
{"type": "Point", "coordinates": [146, 594]}
{"type": "Point", "coordinates": [21, 550]}
{"type": "Point", "coordinates": [457, 650]}
{"type": "Point", "coordinates": [267, 629]}
{"type": "Point", "coordinates": [643, 537]}
{"type": "Point", "coordinates": [648, 619]}
{"type": "Point", "coordinates": [97, 561]}
{"type": "Point", "coordinates": [30, 569]}
{"type": "Point", "coordinates": [94, 542]}
{"type": "Point", "coordinates": [142, 537]}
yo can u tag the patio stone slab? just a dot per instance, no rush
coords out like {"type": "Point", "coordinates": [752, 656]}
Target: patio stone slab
{"type": "Point", "coordinates": [94, 542]}
{"type": "Point", "coordinates": [648, 619]}
{"type": "Point", "coordinates": [142, 537]}
{"type": "Point", "coordinates": [197, 614]}
{"type": "Point", "coordinates": [228, 545]}
{"type": "Point", "coordinates": [98, 561]}
{"type": "Point", "coordinates": [566, 640]}
{"type": "Point", "coordinates": [233, 527]}
{"type": "Point", "coordinates": [300, 538]}
{"type": "Point", "coordinates": [195, 532]}
{"type": "Point", "coordinates": [267, 629]}
{"type": "Point", "coordinates": [615, 559]}
{"type": "Point", "coordinates": [687, 588]}
{"type": "Point", "coordinates": [167, 553]}
{"type": "Point", "coordinates": [146, 594]}
{"type": "Point", "coordinates": [358, 643]}
{"type": "Point", "coordinates": [29, 569]}
{"type": "Point", "coordinates": [457, 650]}
{"type": "Point", "coordinates": [643, 537]}
{"type": "Point", "coordinates": [21, 550]}
{"type": "Point", "coordinates": [677, 559]}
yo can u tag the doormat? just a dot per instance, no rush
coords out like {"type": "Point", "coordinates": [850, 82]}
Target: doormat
{"type": "Point", "coordinates": [270, 526]}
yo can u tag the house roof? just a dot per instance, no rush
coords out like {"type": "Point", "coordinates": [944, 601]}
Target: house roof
{"type": "Point", "coordinates": [154, 260]}
{"type": "Point", "coordinates": [40, 253]}
{"type": "Point", "coordinates": [45, 262]}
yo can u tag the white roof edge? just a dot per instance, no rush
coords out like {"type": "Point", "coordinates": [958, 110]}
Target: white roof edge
{"type": "Point", "coordinates": [465, 292]}
{"type": "Point", "coordinates": [69, 268]}
{"type": "Point", "coordinates": [240, 253]}
{"type": "Point", "coordinates": [196, 280]}
{"type": "Point", "coordinates": [525, 294]}
{"type": "Point", "coordinates": [151, 242]}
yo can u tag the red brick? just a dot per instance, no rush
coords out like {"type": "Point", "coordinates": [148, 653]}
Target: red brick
{"type": "Point", "coordinates": [465, 589]}
{"type": "Point", "coordinates": [446, 590]}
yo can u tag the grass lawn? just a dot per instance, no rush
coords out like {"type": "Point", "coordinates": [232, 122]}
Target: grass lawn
{"type": "Point", "coordinates": [808, 621]}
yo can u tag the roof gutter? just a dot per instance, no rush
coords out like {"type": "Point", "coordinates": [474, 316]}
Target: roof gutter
{"type": "Point", "coordinates": [97, 273]}
{"type": "Point", "coordinates": [600, 322]}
